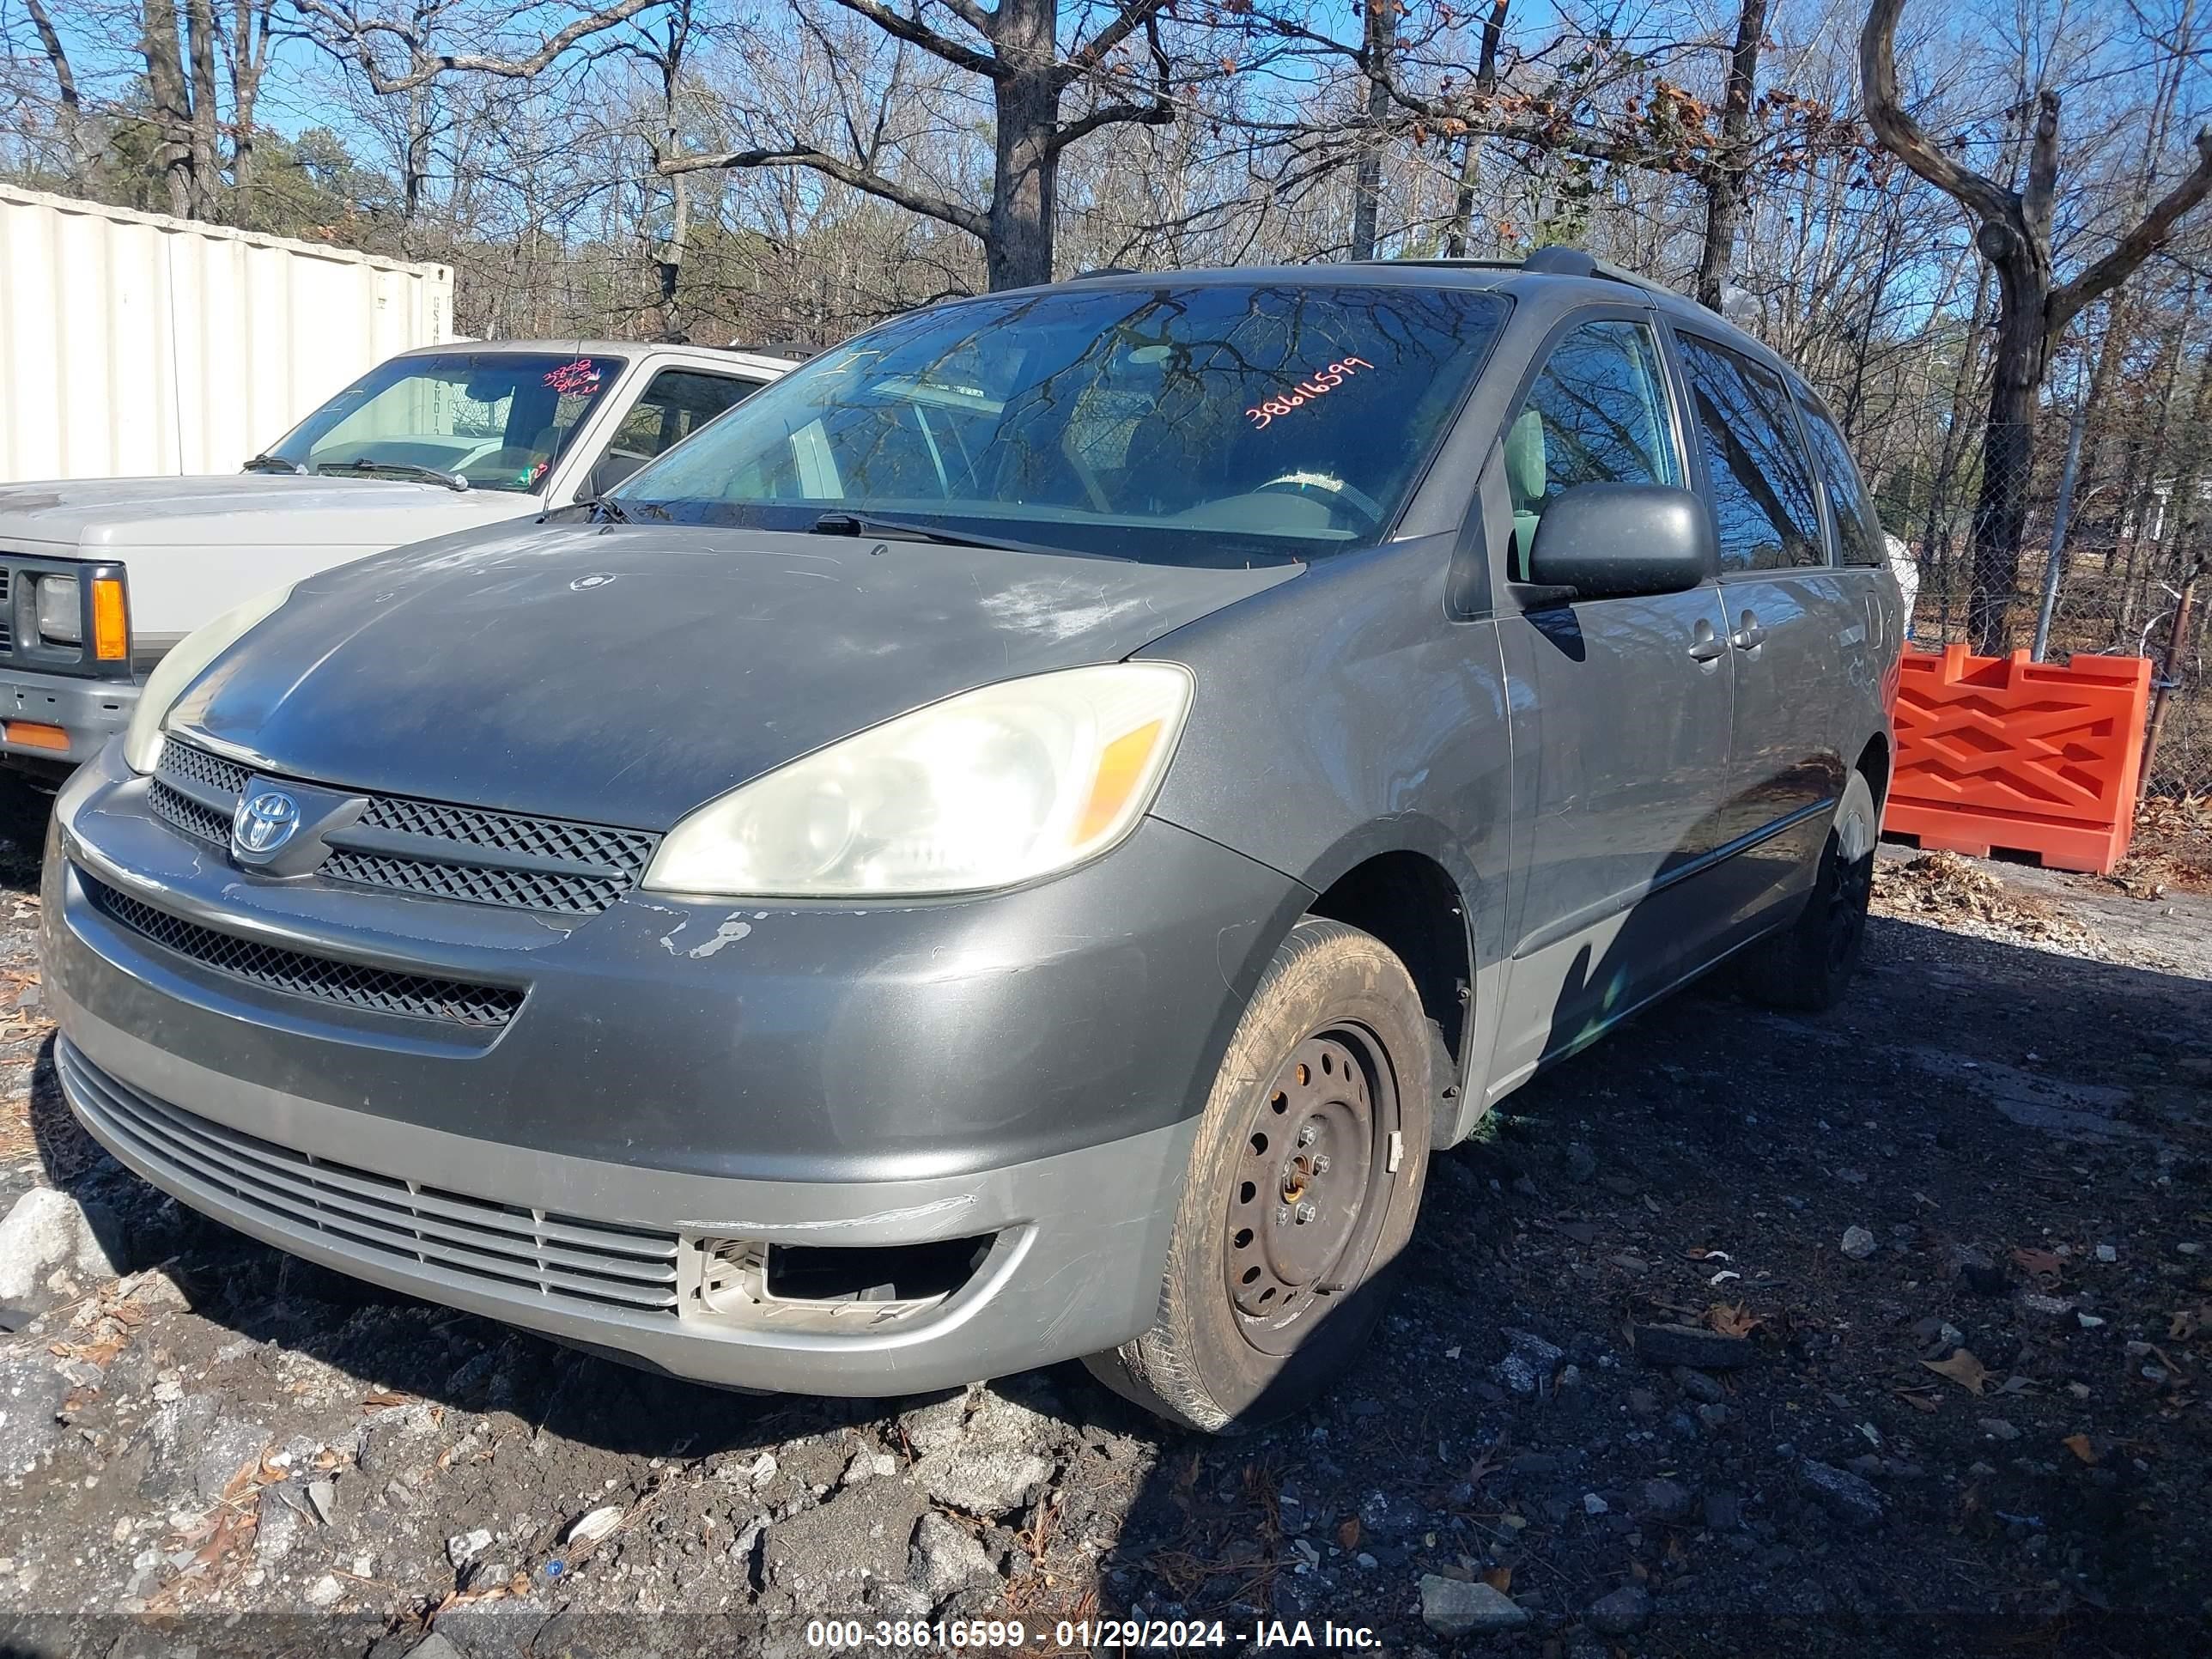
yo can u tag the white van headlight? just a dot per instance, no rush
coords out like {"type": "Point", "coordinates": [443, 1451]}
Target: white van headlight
{"type": "Point", "coordinates": [987, 789]}
{"type": "Point", "coordinates": [142, 744]}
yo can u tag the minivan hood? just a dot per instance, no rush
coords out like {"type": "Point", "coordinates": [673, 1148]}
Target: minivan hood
{"type": "Point", "coordinates": [627, 674]}
{"type": "Point", "coordinates": [112, 517]}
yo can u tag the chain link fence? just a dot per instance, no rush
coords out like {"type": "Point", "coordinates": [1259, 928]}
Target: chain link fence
{"type": "Point", "coordinates": [2103, 545]}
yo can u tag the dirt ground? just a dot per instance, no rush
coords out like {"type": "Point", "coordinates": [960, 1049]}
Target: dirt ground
{"type": "Point", "coordinates": [1882, 1333]}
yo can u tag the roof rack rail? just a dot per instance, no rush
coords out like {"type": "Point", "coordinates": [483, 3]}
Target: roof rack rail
{"type": "Point", "coordinates": [796, 353]}
{"type": "Point", "coordinates": [1558, 260]}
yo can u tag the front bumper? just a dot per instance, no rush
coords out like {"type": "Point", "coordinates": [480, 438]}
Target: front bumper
{"type": "Point", "coordinates": [1023, 1070]}
{"type": "Point", "coordinates": [90, 711]}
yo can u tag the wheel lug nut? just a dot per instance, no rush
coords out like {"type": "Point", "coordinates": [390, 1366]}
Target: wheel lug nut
{"type": "Point", "coordinates": [1321, 1163]}
{"type": "Point", "coordinates": [1307, 1134]}
{"type": "Point", "coordinates": [1306, 1212]}
{"type": "Point", "coordinates": [1282, 1215]}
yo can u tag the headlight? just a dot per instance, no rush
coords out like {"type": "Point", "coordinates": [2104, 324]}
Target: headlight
{"type": "Point", "coordinates": [994, 786]}
{"type": "Point", "coordinates": [142, 744]}
{"type": "Point", "coordinates": [61, 622]}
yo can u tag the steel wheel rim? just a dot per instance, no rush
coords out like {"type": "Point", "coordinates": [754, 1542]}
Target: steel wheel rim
{"type": "Point", "coordinates": [1309, 1186]}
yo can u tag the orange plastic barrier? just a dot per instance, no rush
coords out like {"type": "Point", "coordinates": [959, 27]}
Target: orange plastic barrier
{"type": "Point", "coordinates": [2003, 752]}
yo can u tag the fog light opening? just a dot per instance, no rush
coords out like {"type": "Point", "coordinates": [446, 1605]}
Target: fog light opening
{"type": "Point", "coordinates": [749, 1281]}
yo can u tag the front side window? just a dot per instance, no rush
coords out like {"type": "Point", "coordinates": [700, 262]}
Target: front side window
{"type": "Point", "coordinates": [1194, 423]}
{"type": "Point", "coordinates": [1762, 484]}
{"type": "Point", "coordinates": [496, 419]}
{"type": "Point", "coordinates": [1597, 413]}
{"type": "Point", "coordinates": [1858, 531]}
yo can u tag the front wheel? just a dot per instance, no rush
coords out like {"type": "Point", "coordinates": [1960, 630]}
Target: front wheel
{"type": "Point", "coordinates": [1303, 1185]}
{"type": "Point", "coordinates": [1806, 965]}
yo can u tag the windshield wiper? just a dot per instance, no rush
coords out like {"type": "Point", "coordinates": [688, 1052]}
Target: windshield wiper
{"type": "Point", "coordinates": [401, 469]}
{"type": "Point", "coordinates": [606, 507]}
{"type": "Point", "coordinates": [274, 464]}
{"type": "Point", "coordinates": [857, 524]}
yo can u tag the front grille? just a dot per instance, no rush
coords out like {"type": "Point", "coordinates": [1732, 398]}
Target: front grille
{"type": "Point", "coordinates": [560, 1257]}
{"type": "Point", "coordinates": [465, 853]}
{"type": "Point", "coordinates": [7, 611]}
{"type": "Point", "coordinates": [297, 973]}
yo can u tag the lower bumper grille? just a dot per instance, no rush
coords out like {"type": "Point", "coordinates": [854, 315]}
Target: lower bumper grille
{"type": "Point", "coordinates": [563, 1258]}
{"type": "Point", "coordinates": [297, 973]}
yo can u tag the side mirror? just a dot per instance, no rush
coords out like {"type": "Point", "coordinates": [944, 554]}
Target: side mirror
{"type": "Point", "coordinates": [610, 470]}
{"type": "Point", "coordinates": [1616, 541]}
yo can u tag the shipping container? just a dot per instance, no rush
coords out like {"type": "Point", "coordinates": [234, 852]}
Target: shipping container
{"type": "Point", "coordinates": [135, 344]}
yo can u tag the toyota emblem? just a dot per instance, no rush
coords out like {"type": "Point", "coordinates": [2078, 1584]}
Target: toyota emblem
{"type": "Point", "coordinates": [265, 822]}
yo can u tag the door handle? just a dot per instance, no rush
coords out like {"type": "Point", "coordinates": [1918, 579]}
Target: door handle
{"type": "Point", "coordinates": [1708, 648]}
{"type": "Point", "coordinates": [1751, 635]}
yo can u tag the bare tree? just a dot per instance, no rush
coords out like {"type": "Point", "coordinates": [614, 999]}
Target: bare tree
{"type": "Point", "coordinates": [2013, 231]}
{"type": "Point", "coordinates": [1726, 173]}
{"type": "Point", "coordinates": [1015, 47]}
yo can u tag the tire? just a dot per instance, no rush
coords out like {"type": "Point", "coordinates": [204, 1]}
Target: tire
{"type": "Point", "coordinates": [1806, 967]}
{"type": "Point", "coordinates": [1334, 1042]}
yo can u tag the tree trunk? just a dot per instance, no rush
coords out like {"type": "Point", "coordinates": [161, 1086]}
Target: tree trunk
{"type": "Point", "coordinates": [1485, 84]}
{"type": "Point", "coordinates": [79, 142]}
{"type": "Point", "coordinates": [1382, 36]}
{"type": "Point", "coordinates": [206, 140]}
{"type": "Point", "coordinates": [159, 45]}
{"type": "Point", "coordinates": [1725, 176]}
{"type": "Point", "coordinates": [1025, 160]}
{"type": "Point", "coordinates": [2007, 440]}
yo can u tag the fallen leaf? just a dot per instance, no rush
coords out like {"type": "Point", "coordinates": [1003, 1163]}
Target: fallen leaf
{"type": "Point", "coordinates": [1961, 1368]}
{"type": "Point", "coordinates": [377, 1402]}
{"type": "Point", "coordinates": [1732, 1319]}
{"type": "Point", "coordinates": [590, 1528]}
{"type": "Point", "coordinates": [2034, 1261]}
{"type": "Point", "coordinates": [1347, 1533]}
{"type": "Point", "coordinates": [1499, 1579]}
{"type": "Point", "coordinates": [1926, 1402]}
{"type": "Point", "coordinates": [2080, 1446]}
{"type": "Point", "coordinates": [2183, 1324]}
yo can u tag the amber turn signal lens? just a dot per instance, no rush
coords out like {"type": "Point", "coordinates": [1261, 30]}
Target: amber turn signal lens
{"type": "Point", "coordinates": [110, 624]}
{"type": "Point", "coordinates": [33, 735]}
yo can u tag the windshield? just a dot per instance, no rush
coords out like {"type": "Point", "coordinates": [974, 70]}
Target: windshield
{"type": "Point", "coordinates": [1209, 423]}
{"type": "Point", "coordinates": [498, 419]}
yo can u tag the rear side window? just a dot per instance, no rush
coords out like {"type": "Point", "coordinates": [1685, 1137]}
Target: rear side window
{"type": "Point", "coordinates": [1762, 483]}
{"type": "Point", "coordinates": [678, 404]}
{"type": "Point", "coordinates": [1596, 413]}
{"type": "Point", "coordinates": [1858, 532]}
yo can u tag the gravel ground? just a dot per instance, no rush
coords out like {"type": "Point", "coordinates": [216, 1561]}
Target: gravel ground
{"type": "Point", "coordinates": [1883, 1332]}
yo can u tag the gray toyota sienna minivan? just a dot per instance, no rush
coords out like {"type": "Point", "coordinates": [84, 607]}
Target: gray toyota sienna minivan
{"type": "Point", "coordinates": [1015, 843]}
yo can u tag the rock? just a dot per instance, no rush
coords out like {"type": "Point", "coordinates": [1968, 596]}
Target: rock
{"type": "Point", "coordinates": [1669, 1345]}
{"type": "Point", "coordinates": [2048, 1307]}
{"type": "Point", "coordinates": [1981, 1275]}
{"type": "Point", "coordinates": [945, 1559]}
{"type": "Point", "coordinates": [464, 1547]}
{"type": "Point", "coordinates": [1454, 1606]}
{"type": "Point", "coordinates": [1844, 1495]}
{"type": "Point", "coordinates": [1997, 1428]}
{"type": "Point", "coordinates": [2107, 1253]}
{"type": "Point", "coordinates": [900, 1602]}
{"type": "Point", "coordinates": [1665, 1500]}
{"type": "Point", "coordinates": [1623, 1611]}
{"type": "Point", "coordinates": [433, 1646]}
{"type": "Point", "coordinates": [277, 1528]}
{"type": "Point", "coordinates": [1594, 1505]}
{"type": "Point", "coordinates": [828, 1556]}
{"type": "Point", "coordinates": [1529, 1363]}
{"type": "Point", "coordinates": [936, 1426]}
{"type": "Point", "coordinates": [1723, 1511]}
{"type": "Point", "coordinates": [1698, 1385]}
{"type": "Point", "coordinates": [981, 1480]}
{"type": "Point", "coordinates": [229, 1449]}
{"type": "Point", "coordinates": [323, 1499]}
{"type": "Point", "coordinates": [325, 1592]}
{"type": "Point", "coordinates": [1582, 1163]}
{"type": "Point", "coordinates": [48, 1229]}
{"type": "Point", "coordinates": [1859, 1243]}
